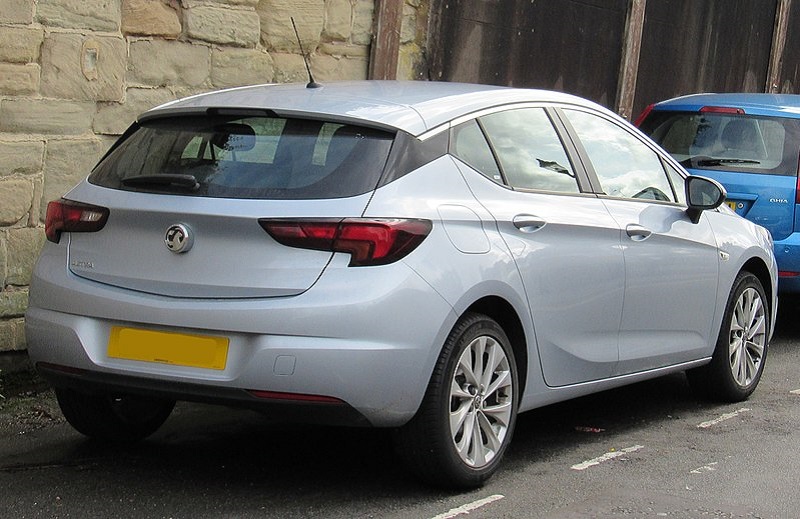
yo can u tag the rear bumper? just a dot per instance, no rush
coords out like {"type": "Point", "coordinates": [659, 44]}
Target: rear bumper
{"type": "Point", "coordinates": [787, 255]}
{"type": "Point", "coordinates": [369, 342]}
{"type": "Point", "coordinates": [286, 408]}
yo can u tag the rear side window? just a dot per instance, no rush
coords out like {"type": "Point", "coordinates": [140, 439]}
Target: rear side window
{"type": "Point", "coordinates": [729, 142]}
{"type": "Point", "coordinates": [469, 144]}
{"type": "Point", "coordinates": [247, 157]}
{"type": "Point", "coordinates": [529, 150]}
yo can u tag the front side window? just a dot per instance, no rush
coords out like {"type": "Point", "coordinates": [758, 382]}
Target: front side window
{"type": "Point", "coordinates": [729, 142]}
{"type": "Point", "coordinates": [530, 152]}
{"type": "Point", "coordinates": [625, 166]}
{"type": "Point", "coordinates": [247, 157]}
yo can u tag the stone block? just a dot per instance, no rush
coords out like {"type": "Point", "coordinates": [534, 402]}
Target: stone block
{"type": "Point", "coordinates": [13, 303]}
{"type": "Point", "coordinates": [75, 66]}
{"type": "Point", "coordinates": [236, 67]}
{"type": "Point", "coordinates": [24, 244]}
{"type": "Point", "coordinates": [363, 14]}
{"type": "Point", "coordinates": [338, 20]}
{"type": "Point", "coordinates": [150, 18]}
{"type": "Point", "coordinates": [344, 49]}
{"type": "Point", "coordinates": [289, 68]}
{"type": "Point", "coordinates": [276, 26]}
{"type": "Point", "coordinates": [67, 162]}
{"type": "Point", "coordinates": [16, 194]}
{"type": "Point", "coordinates": [224, 26]}
{"type": "Point", "coordinates": [332, 68]}
{"type": "Point", "coordinates": [12, 335]}
{"type": "Point", "coordinates": [20, 44]}
{"type": "Point", "coordinates": [16, 11]}
{"type": "Point", "coordinates": [178, 63]}
{"type": "Point", "coordinates": [246, 3]}
{"type": "Point", "coordinates": [19, 79]}
{"type": "Point", "coordinates": [94, 15]}
{"type": "Point", "coordinates": [49, 116]}
{"type": "Point", "coordinates": [114, 118]}
{"type": "Point", "coordinates": [21, 157]}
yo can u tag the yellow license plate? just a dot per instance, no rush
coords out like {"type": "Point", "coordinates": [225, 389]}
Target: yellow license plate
{"type": "Point", "coordinates": [197, 351]}
{"type": "Point", "coordinates": [732, 205]}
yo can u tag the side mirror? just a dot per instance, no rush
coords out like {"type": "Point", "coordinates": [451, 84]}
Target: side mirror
{"type": "Point", "coordinates": [702, 194]}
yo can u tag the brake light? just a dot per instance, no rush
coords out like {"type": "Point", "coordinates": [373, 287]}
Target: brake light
{"type": "Point", "coordinates": [722, 110]}
{"type": "Point", "coordinates": [642, 116]}
{"type": "Point", "coordinates": [368, 241]}
{"type": "Point", "coordinates": [68, 216]}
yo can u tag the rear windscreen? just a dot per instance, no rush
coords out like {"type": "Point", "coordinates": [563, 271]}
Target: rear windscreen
{"type": "Point", "coordinates": [729, 142]}
{"type": "Point", "coordinates": [246, 157]}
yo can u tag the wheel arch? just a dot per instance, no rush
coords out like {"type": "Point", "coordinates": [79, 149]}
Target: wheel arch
{"type": "Point", "coordinates": [506, 316]}
{"type": "Point", "coordinates": [759, 269]}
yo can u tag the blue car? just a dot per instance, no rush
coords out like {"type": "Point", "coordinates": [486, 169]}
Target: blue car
{"type": "Point", "coordinates": [750, 143]}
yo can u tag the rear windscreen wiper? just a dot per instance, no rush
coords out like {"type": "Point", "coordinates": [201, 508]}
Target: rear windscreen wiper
{"type": "Point", "coordinates": [708, 161]}
{"type": "Point", "coordinates": [187, 182]}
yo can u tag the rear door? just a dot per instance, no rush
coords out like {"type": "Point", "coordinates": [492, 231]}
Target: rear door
{"type": "Point", "coordinates": [563, 241]}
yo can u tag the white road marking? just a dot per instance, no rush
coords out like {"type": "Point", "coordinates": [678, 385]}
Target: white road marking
{"type": "Point", "coordinates": [469, 507]}
{"type": "Point", "coordinates": [605, 457]}
{"type": "Point", "coordinates": [711, 467]}
{"type": "Point", "coordinates": [795, 392]}
{"type": "Point", "coordinates": [726, 416]}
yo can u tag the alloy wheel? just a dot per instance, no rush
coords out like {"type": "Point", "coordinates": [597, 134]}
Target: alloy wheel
{"type": "Point", "coordinates": [748, 337]}
{"type": "Point", "coordinates": [481, 401]}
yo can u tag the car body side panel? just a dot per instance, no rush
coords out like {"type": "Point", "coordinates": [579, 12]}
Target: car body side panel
{"type": "Point", "coordinates": [478, 262]}
{"type": "Point", "coordinates": [741, 241]}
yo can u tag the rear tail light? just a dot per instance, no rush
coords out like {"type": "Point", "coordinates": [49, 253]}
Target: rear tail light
{"type": "Point", "coordinates": [67, 216]}
{"type": "Point", "coordinates": [722, 110]}
{"type": "Point", "coordinates": [642, 116]}
{"type": "Point", "coordinates": [788, 274]}
{"type": "Point", "coordinates": [368, 241]}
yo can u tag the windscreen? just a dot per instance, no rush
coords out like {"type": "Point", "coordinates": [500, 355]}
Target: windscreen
{"type": "Point", "coordinates": [246, 157]}
{"type": "Point", "coordinates": [729, 142]}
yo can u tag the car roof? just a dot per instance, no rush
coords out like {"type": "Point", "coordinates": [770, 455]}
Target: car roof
{"type": "Point", "coordinates": [780, 105]}
{"type": "Point", "coordinates": [412, 106]}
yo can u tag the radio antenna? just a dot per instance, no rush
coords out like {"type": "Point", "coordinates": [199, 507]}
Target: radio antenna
{"type": "Point", "coordinates": [311, 82]}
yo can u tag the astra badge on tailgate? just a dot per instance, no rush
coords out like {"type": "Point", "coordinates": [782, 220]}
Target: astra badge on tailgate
{"type": "Point", "coordinates": [178, 238]}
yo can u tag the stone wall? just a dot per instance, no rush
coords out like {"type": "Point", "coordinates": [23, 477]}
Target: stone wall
{"type": "Point", "coordinates": [75, 73]}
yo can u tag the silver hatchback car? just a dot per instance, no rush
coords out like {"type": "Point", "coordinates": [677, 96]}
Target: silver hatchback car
{"type": "Point", "coordinates": [429, 257]}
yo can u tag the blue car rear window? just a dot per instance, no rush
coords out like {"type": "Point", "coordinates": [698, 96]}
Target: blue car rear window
{"type": "Point", "coordinates": [729, 142]}
{"type": "Point", "coordinates": [246, 157]}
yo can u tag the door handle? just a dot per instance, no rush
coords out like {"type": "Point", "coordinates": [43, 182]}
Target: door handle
{"type": "Point", "coordinates": [528, 223]}
{"type": "Point", "coordinates": [637, 232]}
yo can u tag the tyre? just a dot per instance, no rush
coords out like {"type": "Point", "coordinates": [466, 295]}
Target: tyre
{"type": "Point", "coordinates": [113, 418]}
{"type": "Point", "coordinates": [467, 417]}
{"type": "Point", "coordinates": [741, 351]}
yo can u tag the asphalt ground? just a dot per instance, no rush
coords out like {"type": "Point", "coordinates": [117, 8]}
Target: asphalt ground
{"type": "Point", "coordinates": [648, 450]}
